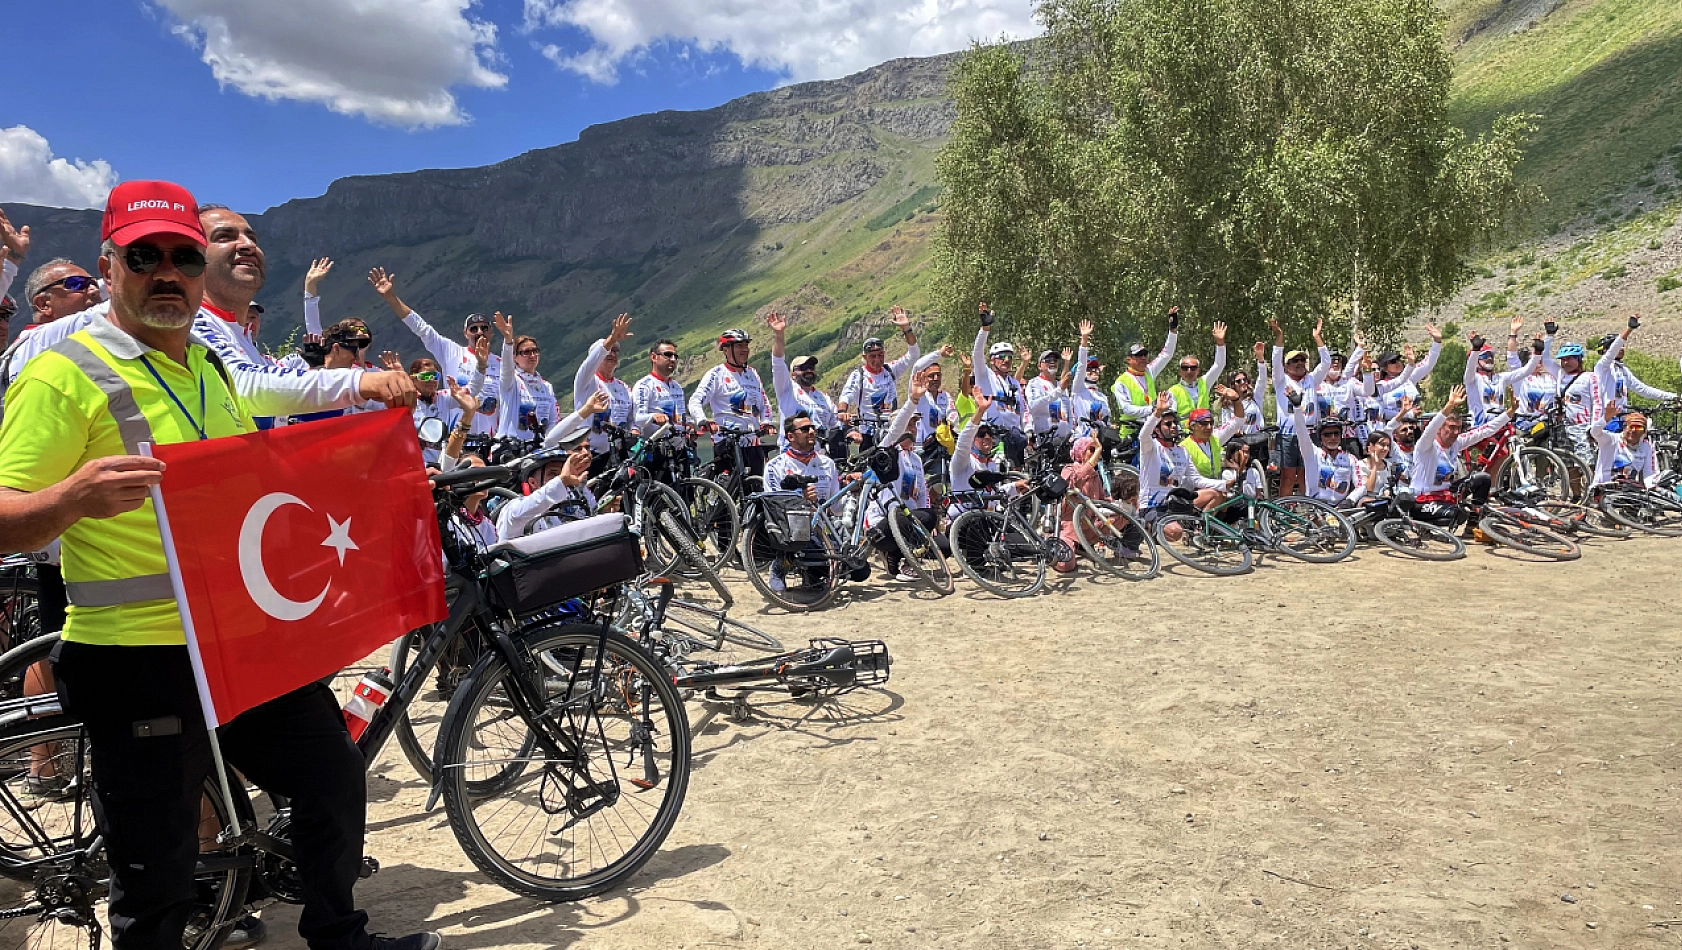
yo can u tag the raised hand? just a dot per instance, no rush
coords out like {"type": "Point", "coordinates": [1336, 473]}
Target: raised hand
{"type": "Point", "coordinates": [1434, 333]}
{"type": "Point", "coordinates": [482, 352]}
{"type": "Point", "coordinates": [1456, 397]}
{"type": "Point", "coordinates": [621, 329]}
{"type": "Point", "coordinates": [1408, 354]}
{"type": "Point", "coordinates": [1405, 406]}
{"type": "Point", "coordinates": [968, 363]}
{"type": "Point", "coordinates": [16, 240]}
{"type": "Point", "coordinates": [1086, 328]}
{"type": "Point", "coordinates": [1174, 319]}
{"type": "Point", "coordinates": [1068, 354]}
{"type": "Point", "coordinates": [319, 268]}
{"type": "Point", "coordinates": [982, 404]}
{"type": "Point", "coordinates": [919, 387]}
{"type": "Point", "coordinates": [1258, 350]}
{"type": "Point", "coordinates": [505, 325]}
{"type": "Point", "coordinates": [777, 322]}
{"type": "Point", "coordinates": [383, 282]}
{"type": "Point", "coordinates": [1278, 331]}
{"type": "Point", "coordinates": [1515, 324]}
{"type": "Point", "coordinates": [390, 361]}
{"type": "Point", "coordinates": [986, 315]}
{"type": "Point", "coordinates": [899, 317]}
{"type": "Point", "coordinates": [1164, 402]}
{"type": "Point", "coordinates": [947, 351]}
{"type": "Point", "coordinates": [1320, 332]}
{"type": "Point", "coordinates": [468, 402]}
{"type": "Point", "coordinates": [597, 403]}
{"type": "Point", "coordinates": [577, 466]}
{"type": "Point", "coordinates": [1219, 333]}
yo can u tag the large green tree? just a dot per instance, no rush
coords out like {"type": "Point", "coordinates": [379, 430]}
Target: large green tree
{"type": "Point", "coordinates": [1244, 159]}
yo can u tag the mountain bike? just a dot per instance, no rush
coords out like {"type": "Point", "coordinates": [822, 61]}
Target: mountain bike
{"type": "Point", "coordinates": [1006, 541]}
{"type": "Point", "coordinates": [563, 761]}
{"type": "Point", "coordinates": [1656, 510]}
{"type": "Point", "coordinates": [1514, 519]}
{"type": "Point", "coordinates": [692, 523]}
{"type": "Point", "coordinates": [1223, 539]}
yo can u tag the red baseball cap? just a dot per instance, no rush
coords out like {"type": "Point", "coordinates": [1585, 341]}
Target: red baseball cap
{"type": "Point", "coordinates": [138, 209]}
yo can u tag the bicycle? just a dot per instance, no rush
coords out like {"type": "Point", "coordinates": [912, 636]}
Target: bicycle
{"type": "Point", "coordinates": [695, 523]}
{"type": "Point", "coordinates": [1389, 522]}
{"type": "Point", "coordinates": [576, 698]}
{"type": "Point", "coordinates": [1636, 507]}
{"type": "Point", "coordinates": [1007, 550]}
{"type": "Point", "coordinates": [1295, 526]}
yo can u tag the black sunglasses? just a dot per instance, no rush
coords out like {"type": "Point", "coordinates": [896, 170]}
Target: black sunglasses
{"type": "Point", "coordinates": [1186, 366]}
{"type": "Point", "coordinates": [361, 344]}
{"type": "Point", "coordinates": [75, 283]}
{"type": "Point", "coordinates": [480, 327]}
{"type": "Point", "coordinates": [804, 428]}
{"type": "Point", "coordinates": [670, 355]}
{"type": "Point", "coordinates": [532, 351]}
{"type": "Point", "coordinates": [144, 259]}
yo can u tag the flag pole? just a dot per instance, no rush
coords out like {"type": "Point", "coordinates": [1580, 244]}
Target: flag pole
{"type": "Point", "coordinates": [208, 707]}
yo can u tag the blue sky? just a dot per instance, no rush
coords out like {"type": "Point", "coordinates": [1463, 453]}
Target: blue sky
{"type": "Point", "coordinates": [313, 90]}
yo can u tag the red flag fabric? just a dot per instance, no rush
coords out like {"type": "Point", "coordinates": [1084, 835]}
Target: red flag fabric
{"type": "Point", "coordinates": [299, 551]}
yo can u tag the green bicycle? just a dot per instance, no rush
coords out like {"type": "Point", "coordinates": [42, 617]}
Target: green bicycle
{"type": "Point", "coordinates": [1226, 539]}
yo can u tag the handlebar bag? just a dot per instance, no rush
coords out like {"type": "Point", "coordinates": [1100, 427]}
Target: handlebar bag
{"type": "Point", "coordinates": [788, 521]}
{"type": "Point", "coordinates": [557, 564]}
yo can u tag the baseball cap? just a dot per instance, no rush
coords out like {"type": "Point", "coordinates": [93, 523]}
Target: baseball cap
{"type": "Point", "coordinates": [1137, 349]}
{"type": "Point", "coordinates": [138, 209]}
{"type": "Point", "coordinates": [1391, 356]}
{"type": "Point", "coordinates": [872, 344]}
{"type": "Point", "coordinates": [1047, 356]}
{"type": "Point", "coordinates": [804, 361]}
{"type": "Point", "coordinates": [475, 318]}
{"type": "Point", "coordinates": [1295, 355]}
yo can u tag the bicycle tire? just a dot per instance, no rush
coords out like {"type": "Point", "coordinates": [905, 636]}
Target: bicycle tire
{"type": "Point", "coordinates": [1639, 511]}
{"type": "Point", "coordinates": [1537, 466]}
{"type": "Point", "coordinates": [15, 663]}
{"type": "Point", "coordinates": [695, 620]}
{"type": "Point", "coordinates": [820, 582]}
{"type": "Point", "coordinates": [20, 607]}
{"type": "Point", "coordinates": [417, 727]}
{"type": "Point", "coordinates": [1105, 542]}
{"type": "Point", "coordinates": [997, 570]}
{"type": "Point", "coordinates": [54, 838]}
{"type": "Point", "coordinates": [1590, 521]}
{"type": "Point", "coordinates": [718, 516]}
{"type": "Point", "coordinates": [1329, 537]}
{"type": "Point", "coordinates": [678, 534]}
{"type": "Point", "coordinates": [1529, 538]}
{"type": "Point", "coordinates": [917, 548]}
{"type": "Point", "coordinates": [604, 671]}
{"type": "Point", "coordinates": [1264, 489]}
{"type": "Point", "coordinates": [1197, 550]}
{"type": "Point", "coordinates": [1414, 539]}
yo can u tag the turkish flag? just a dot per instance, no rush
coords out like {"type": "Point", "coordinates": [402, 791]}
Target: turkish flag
{"type": "Point", "coordinates": [298, 551]}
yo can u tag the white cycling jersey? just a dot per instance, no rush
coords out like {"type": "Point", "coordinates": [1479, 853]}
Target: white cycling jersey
{"type": "Point", "coordinates": [1284, 385]}
{"type": "Point", "coordinates": [621, 408]}
{"type": "Point", "coordinates": [653, 396]}
{"type": "Point", "coordinates": [533, 513]}
{"type": "Point", "coordinates": [732, 398]}
{"type": "Point", "coordinates": [1331, 475]}
{"type": "Point", "coordinates": [816, 465]}
{"type": "Point", "coordinates": [1050, 407]}
{"type": "Point", "coordinates": [792, 399]}
{"type": "Point", "coordinates": [459, 363]}
{"type": "Point", "coordinates": [1616, 461]}
{"type": "Point", "coordinates": [526, 401]}
{"type": "Point", "coordinates": [1163, 468]}
{"type": "Point", "coordinates": [874, 397]}
{"type": "Point", "coordinates": [1005, 391]}
{"type": "Point", "coordinates": [1436, 467]}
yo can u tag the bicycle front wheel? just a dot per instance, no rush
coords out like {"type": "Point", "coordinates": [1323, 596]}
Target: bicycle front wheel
{"type": "Point", "coordinates": [1309, 530]}
{"type": "Point", "coordinates": [997, 556]}
{"type": "Point", "coordinates": [716, 518]}
{"type": "Point", "coordinates": [795, 581]}
{"type": "Point", "coordinates": [1419, 539]}
{"type": "Point", "coordinates": [919, 552]}
{"type": "Point", "coordinates": [1529, 538]}
{"type": "Point", "coordinates": [1208, 546]}
{"type": "Point", "coordinates": [1115, 541]}
{"type": "Point", "coordinates": [601, 787]}
{"type": "Point", "coordinates": [1644, 511]}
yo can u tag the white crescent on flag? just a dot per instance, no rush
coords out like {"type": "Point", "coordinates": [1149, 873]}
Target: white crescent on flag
{"type": "Point", "coordinates": [251, 568]}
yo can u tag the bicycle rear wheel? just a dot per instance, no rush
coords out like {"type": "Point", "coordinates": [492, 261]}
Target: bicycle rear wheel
{"type": "Point", "coordinates": [1529, 538]}
{"type": "Point", "coordinates": [1534, 465]}
{"type": "Point", "coordinates": [596, 797]}
{"type": "Point", "coordinates": [1209, 547]}
{"type": "Point", "coordinates": [1419, 539]}
{"type": "Point", "coordinates": [15, 663]}
{"type": "Point", "coordinates": [682, 539]}
{"type": "Point", "coordinates": [919, 552]}
{"type": "Point", "coordinates": [793, 581]}
{"type": "Point", "coordinates": [1116, 541]}
{"type": "Point", "coordinates": [1310, 530]}
{"type": "Point", "coordinates": [1644, 511]}
{"type": "Point", "coordinates": [1590, 521]}
{"type": "Point", "coordinates": [996, 556]}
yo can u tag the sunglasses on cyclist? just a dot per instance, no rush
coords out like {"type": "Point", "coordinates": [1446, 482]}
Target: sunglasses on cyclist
{"type": "Point", "coordinates": [361, 344]}
{"type": "Point", "coordinates": [75, 283]}
{"type": "Point", "coordinates": [1188, 366]}
{"type": "Point", "coordinates": [805, 428]}
{"type": "Point", "coordinates": [144, 259]}
{"type": "Point", "coordinates": [528, 351]}
{"type": "Point", "coordinates": [425, 376]}
{"type": "Point", "coordinates": [484, 328]}
{"type": "Point", "coordinates": [671, 355]}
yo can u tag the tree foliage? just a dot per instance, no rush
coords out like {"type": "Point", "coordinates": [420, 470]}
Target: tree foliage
{"type": "Point", "coordinates": [1245, 159]}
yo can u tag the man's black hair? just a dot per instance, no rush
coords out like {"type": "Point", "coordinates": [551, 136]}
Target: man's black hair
{"type": "Point", "coordinates": [789, 423]}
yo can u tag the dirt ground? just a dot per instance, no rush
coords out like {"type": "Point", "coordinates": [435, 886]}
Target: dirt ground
{"type": "Point", "coordinates": [1382, 753]}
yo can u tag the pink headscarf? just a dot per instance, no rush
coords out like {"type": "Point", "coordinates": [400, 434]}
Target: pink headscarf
{"type": "Point", "coordinates": [1083, 448]}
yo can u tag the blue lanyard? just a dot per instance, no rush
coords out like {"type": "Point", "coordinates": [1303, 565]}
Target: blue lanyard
{"type": "Point", "coordinates": [177, 399]}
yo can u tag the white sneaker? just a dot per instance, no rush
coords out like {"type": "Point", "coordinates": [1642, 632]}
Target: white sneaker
{"type": "Point", "coordinates": [778, 585]}
{"type": "Point", "coordinates": [906, 578]}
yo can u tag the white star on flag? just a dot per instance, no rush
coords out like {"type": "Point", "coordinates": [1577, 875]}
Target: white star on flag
{"type": "Point", "coordinates": [339, 538]}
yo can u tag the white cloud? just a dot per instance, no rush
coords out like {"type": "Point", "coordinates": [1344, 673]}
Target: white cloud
{"type": "Point", "coordinates": [806, 39]}
{"type": "Point", "coordinates": [394, 61]}
{"type": "Point", "coordinates": [30, 174]}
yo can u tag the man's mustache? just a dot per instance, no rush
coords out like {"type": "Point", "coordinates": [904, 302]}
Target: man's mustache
{"type": "Point", "coordinates": [166, 287]}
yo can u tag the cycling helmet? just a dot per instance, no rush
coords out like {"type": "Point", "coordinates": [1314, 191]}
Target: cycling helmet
{"type": "Point", "coordinates": [1329, 423]}
{"type": "Point", "coordinates": [1604, 343]}
{"type": "Point", "coordinates": [733, 336]}
{"type": "Point", "coordinates": [1000, 349]}
{"type": "Point", "coordinates": [1571, 349]}
{"type": "Point", "coordinates": [1137, 349]}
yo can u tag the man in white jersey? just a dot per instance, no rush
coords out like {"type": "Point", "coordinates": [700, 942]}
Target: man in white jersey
{"type": "Point", "coordinates": [1625, 453]}
{"type": "Point", "coordinates": [456, 359]}
{"type": "Point", "coordinates": [995, 378]}
{"type": "Point", "coordinates": [1050, 410]}
{"type": "Point", "coordinates": [598, 372]}
{"type": "Point", "coordinates": [797, 390]}
{"type": "Point", "coordinates": [801, 461]}
{"type": "Point", "coordinates": [731, 396]}
{"type": "Point", "coordinates": [1623, 380]}
{"type": "Point", "coordinates": [658, 397]}
{"type": "Point", "coordinates": [1291, 377]}
{"type": "Point", "coordinates": [1330, 471]}
{"type": "Point", "coordinates": [870, 396]}
{"type": "Point", "coordinates": [1443, 489]}
{"type": "Point", "coordinates": [1089, 406]}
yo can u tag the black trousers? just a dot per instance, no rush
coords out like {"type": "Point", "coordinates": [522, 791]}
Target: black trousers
{"type": "Point", "coordinates": [147, 790]}
{"type": "Point", "coordinates": [1016, 446]}
{"type": "Point", "coordinates": [882, 536]}
{"type": "Point", "coordinates": [52, 599]}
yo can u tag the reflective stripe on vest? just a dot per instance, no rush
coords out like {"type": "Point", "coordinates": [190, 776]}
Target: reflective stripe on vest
{"type": "Point", "coordinates": [134, 429]}
{"type": "Point", "coordinates": [1207, 464]}
{"type": "Point", "coordinates": [131, 423]}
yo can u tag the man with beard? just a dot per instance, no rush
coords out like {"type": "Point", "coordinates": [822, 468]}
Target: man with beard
{"type": "Point", "coordinates": [70, 468]}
